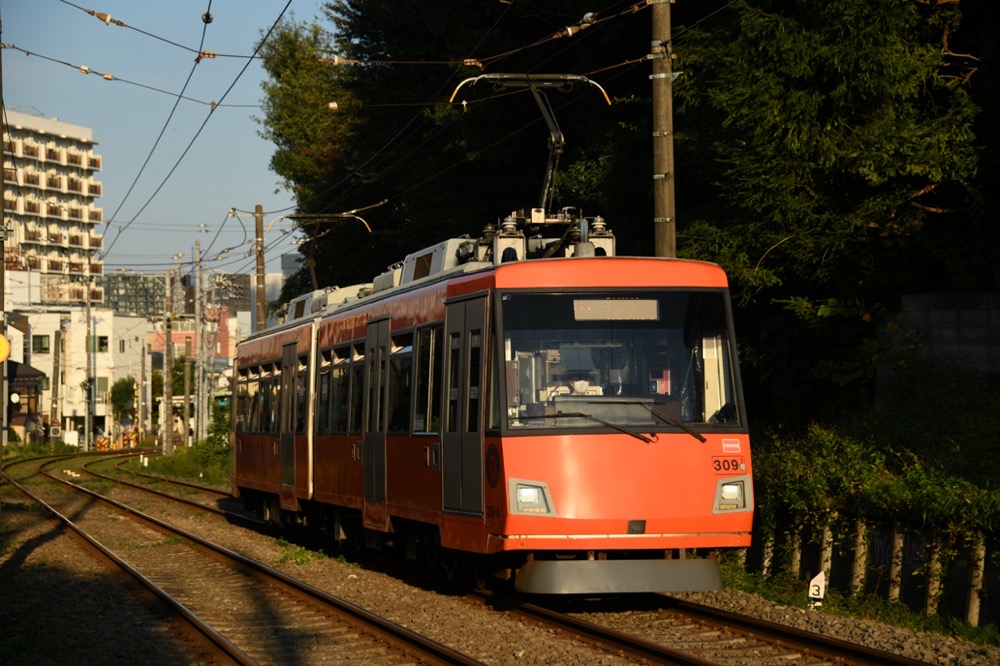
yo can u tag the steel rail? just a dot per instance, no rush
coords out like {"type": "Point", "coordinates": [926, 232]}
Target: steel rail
{"type": "Point", "coordinates": [433, 651]}
{"type": "Point", "coordinates": [816, 645]}
{"type": "Point", "coordinates": [595, 634]}
{"type": "Point", "coordinates": [214, 637]}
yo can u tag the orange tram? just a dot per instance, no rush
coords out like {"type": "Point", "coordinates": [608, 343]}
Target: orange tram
{"type": "Point", "coordinates": [515, 405]}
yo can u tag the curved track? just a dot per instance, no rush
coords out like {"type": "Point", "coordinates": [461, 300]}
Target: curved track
{"type": "Point", "coordinates": [660, 629]}
{"type": "Point", "coordinates": [254, 613]}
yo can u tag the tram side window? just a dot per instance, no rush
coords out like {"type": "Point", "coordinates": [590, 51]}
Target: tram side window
{"type": "Point", "coordinates": [242, 405]}
{"type": "Point", "coordinates": [494, 406]}
{"type": "Point", "coordinates": [427, 412]}
{"type": "Point", "coordinates": [357, 387]}
{"type": "Point", "coordinates": [475, 363]}
{"type": "Point", "coordinates": [400, 383]}
{"type": "Point", "coordinates": [340, 388]}
{"type": "Point", "coordinates": [323, 412]}
{"type": "Point", "coordinates": [274, 403]}
{"type": "Point", "coordinates": [375, 385]}
{"type": "Point", "coordinates": [301, 395]}
{"type": "Point", "coordinates": [255, 405]}
{"type": "Point", "coordinates": [264, 418]}
{"type": "Point", "coordinates": [455, 350]}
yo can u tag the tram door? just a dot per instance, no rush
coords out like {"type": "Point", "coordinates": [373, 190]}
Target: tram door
{"type": "Point", "coordinates": [373, 447]}
{"type": "Point", "coordinates": [286, 425]}
{"type": "Point", "coordinates": [462, 434]}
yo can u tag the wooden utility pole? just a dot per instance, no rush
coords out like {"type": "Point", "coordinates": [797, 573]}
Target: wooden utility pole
{"type": "Point", "coordinates": [258, 216]}
{"type": "Point", "coordinates": [664, 209]}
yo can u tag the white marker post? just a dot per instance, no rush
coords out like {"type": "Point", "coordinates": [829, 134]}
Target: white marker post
{"type": "Point", "coordinates": [817, 590]}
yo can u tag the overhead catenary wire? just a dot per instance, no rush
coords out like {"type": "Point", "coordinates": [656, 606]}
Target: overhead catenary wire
{"type": "Point", "coordinates": [107, 76]}
{"type": "Point", "coordinates": [156, 143]}
{"type": "Point", "coordinates": [201, 128]}
{"type": "Point", "coordinates": [107, 19]}
{"type": "Point", "coordinates": [632, 9]}
{"type": "Point", "coordinates": [556, 35]}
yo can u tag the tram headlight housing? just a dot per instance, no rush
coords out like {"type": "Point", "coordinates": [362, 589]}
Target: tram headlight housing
{"type": "Point", "coordinates": [530, 498]}
{"type": "Point", "coordinates": [733, 494]}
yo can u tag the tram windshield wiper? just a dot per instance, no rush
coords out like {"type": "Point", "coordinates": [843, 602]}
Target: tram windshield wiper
{"type": "Point", "coordinates": [607, 424]}
{"type": "Point", "coordinates": [669, 420]}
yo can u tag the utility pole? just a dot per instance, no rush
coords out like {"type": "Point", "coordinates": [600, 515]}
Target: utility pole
{"type": "Point", "coordinates": [89, 382]}
{"type": "Point", "coordinates": [168, 370]}
{"type": "Point", "coordinates": [258, 216]}
{"type": "Point", "coordinates": [187, 400]}
{"type": "Point", "coordinates": [4, 399]}
{"type": "Point", "coordinates": [664, 206]}
{"type": "Point", "coordinates": [54, 415]}
{"type": "Point", "coordinates": [140, 412]}
{"type": "Point", "coordinates": [199, 348]}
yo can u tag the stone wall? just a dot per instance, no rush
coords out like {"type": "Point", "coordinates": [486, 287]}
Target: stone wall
{"type": "Point", "coordinates": [961, 327]}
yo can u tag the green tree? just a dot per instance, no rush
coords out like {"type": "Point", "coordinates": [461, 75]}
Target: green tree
{"type": "Point", "coordinates": [443, 169]}
{"type": "Point", "coordinates": [840, 138]}
{"type": "Point", "coordinates": [826, 154]}
{"type": "Point", "coordinates": [307, 111]}
{"type": "Point", "coordinates": [123, 398]}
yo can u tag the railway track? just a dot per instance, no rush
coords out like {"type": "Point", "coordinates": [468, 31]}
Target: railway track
{"type": "Point", "coordinates": [194, 495]}
{"type": "Point", "coordinates": [251, 612]}
{"type": "Point", "coordinates": [657, 629]}
{"type": "Point", "coordinates": [679, 632]}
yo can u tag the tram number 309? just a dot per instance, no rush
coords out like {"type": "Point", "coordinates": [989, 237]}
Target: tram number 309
{"type": "Point", "coordinates": [726, 465]}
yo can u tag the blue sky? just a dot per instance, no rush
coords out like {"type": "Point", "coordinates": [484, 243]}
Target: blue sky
{"type": "Point", "coordinates": [226, 166]}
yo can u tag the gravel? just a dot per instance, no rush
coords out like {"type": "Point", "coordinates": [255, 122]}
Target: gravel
{"type": "Point", "coordinates": [51, 587]}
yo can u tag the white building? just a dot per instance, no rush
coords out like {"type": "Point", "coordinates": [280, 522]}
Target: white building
{"type": "Point", "coordinates": [54, 341]}
{"type": "Point", "coordinates": [54, 269]}
{"type": "Point", "coordinates": [50, 203]}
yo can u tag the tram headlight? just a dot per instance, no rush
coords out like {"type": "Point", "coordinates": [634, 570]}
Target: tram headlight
{"type": "Point", "coordinates": [733, 495]}
{"type": "Point", "coordinates": [530, 497]}
{"type": "Point", "coordinates": [732, 492]}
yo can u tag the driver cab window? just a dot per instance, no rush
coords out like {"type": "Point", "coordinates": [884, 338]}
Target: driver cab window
{"type": "Point", "coordinates": [614, 356]}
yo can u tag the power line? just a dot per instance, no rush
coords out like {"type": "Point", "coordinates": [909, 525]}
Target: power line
{"type": "Point", "coordinates": [200, 129]}
{"type": "Point", "coordinates": [107, 19]}
{"type": "Point", "coordinates": [107, 76]}
{"type": "Point", "coordinates": [156, 143]}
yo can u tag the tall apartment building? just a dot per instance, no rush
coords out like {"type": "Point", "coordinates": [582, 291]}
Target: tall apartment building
{"type": "Point", "coordinates": [50, 192]}
{"type": "Point", "coordinates": [143, 294]}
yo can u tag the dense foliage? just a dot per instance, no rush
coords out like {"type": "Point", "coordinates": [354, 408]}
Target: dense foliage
{"type": "Point", "coordinates": [842, 139]}
{"type": "Point", "coordinates": [831, 156]}
{"type": "Point", "coordinates": [122, 398]}
{"type": "Point", "coordinates": [827, 156]}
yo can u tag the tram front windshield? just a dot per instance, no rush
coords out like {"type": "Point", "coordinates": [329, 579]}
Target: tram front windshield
{"type": "Point", "coordinates": [649, 360]}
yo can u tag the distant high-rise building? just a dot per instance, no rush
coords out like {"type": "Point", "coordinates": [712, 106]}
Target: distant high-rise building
{"type": "Point", "coordinates": [290, 265]}
{"type": "Point", "coordinates": [142, 294]}
{"type": "Point", "coordinates": [50, 199]}
{"type": "Point", "coordinates": [233, 290]}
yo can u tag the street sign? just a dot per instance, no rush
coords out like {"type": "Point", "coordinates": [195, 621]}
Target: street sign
{"type": "Point", "coordinates": [4, 348]}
